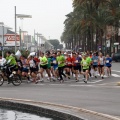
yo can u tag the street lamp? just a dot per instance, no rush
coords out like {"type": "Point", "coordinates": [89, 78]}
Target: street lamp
{"type": "Point", "coordinates": [40, 41]}
{"type": "Point", "coordinates": [19, 16]}
{"type": "Point", "coordinates": [38, 35]}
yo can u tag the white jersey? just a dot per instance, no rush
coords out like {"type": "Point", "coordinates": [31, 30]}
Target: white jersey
{"type": "Point", "coordinates": [32, 63]}
{"type": "Point", "coordinates": [101, 60]}
{"type": "Point", "coordinates": [2, 61]}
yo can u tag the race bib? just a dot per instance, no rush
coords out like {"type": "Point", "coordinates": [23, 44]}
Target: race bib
{"type": "Point", "coordinates": [69, 63]}
{"type": "Point", "coordinates": [76, 61]}
{"type": "Point", "coordinates": [54, 62]}
{"type": "Point", "coordinates": [107, 61]}
{"type": "Point", "coordinates": [59, 63]}
{"type": "Point", "coordinates": [95, 60]}
{"type": "Point", "coordinates": [84, 63]}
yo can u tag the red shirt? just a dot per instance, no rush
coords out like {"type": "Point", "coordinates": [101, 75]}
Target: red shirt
{"type": "Point", "coordinates": [73, 61]}
{"type": "Point", "coordinates": [69, 61]}
{"type": "Point", "coordinates": [37, 60]}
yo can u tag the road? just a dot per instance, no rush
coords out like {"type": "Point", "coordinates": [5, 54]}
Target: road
{"type": "Point", "coordinates": [98, 95]}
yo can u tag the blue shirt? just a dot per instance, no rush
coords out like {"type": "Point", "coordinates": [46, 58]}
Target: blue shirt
{"type": "Point", "coordinates": [108, 62]}
{"type": "Point", "coordinates": [78, 59]}
{"type": "Point", "coordinates": [54, 61]}
{"type": "Point", "coordinates": [95, 60]}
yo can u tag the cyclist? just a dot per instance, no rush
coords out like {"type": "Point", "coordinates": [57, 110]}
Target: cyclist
{"type": "Point", "coordinates": [108, 64]}
{"type": "Point", "coordinates": [11, 63]}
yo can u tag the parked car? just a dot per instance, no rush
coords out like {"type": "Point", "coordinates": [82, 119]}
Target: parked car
{"type": "Point", "coordinates": [116, 57]}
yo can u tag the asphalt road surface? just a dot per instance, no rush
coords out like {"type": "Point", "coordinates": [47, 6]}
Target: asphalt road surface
{"type": "Point", "coordinates": [101, 95]}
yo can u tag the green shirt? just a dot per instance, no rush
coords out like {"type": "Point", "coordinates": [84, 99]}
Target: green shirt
{"type": "Point", "coordinates": [61, 61]}
{"type": "Point", "coordinates": [89, 59]}
{"type": "Point", "coordinates": [49, 62]}
{"type": "Point", "coordinates": [43, 61]}
{"type": "Point", "coordinates": [12, 60]}
{"type": "Point", "coordinates": [85, 63]}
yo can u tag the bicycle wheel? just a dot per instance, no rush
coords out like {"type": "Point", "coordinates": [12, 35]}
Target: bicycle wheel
{"type": "Point", "coordinates": [16, 80]}
{"type": "Point", "coordinates": [1, 80]}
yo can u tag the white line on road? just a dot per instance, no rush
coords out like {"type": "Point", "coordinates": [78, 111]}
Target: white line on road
{"type": "Point", "coordinates": [57, 84]}
{"type": "Point", "coordinates": [97, 81]}
{"type": "Point", "coordinates": [81, 85]}
{"type": "Point", "coordinates": [115, 71]}
{"type": "Point", "coordinates": [115, 75]}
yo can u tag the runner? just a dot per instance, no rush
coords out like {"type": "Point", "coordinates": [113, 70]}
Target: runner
{"type": "Point", "coordinates": [43, 65]}
{"type": "Point", "coordinates": [90, 61]}
{"type": "Point", "coordinates": [55, 66]}
{"type": "Point", "coordinates": [25, 67]}
{"type": "Point", "coordinates": [61, 65]}
{"type": "Point", "coordinates": [68, 64]}
{"type": "Point", "coordinates": [75, 65]}
{"type": "Point", "coordinates": [33, 69]}
{"type": "Point", "coordinates": [49, 61]}
{"type": "Point", "coordinates": [85, 64]}
{"type": "Point", "coordinates": [101, 62]}
{"type": "Point", "coordinates": [79, 58]}
{"type": "Point", "coordinates": [108, 64]}
{"type": "Point", "coordinates": [95, 64]}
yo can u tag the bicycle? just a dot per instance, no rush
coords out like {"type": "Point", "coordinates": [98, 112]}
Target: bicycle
{"type": "Point", "coordinates": [15, 79]}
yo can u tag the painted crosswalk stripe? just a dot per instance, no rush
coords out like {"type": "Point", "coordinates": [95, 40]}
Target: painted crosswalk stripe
{"type": "Point", "coordinates": [115, 75]}
{"type": "Point", "coordinates": [115, 71]}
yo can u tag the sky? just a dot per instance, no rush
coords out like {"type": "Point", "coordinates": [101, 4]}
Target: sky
{"type": "Point", "coordinates": [47, 15]}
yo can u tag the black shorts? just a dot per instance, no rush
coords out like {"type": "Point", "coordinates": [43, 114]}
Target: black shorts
{"type": "Point", "coordinates": [25, 70]}
{"type": "Point", "coordinates": [33, 70]}
{"type": "Point", "coordinates": [43, 66]}
{"type": "Point", "coordinates": [84, 70]}
{"type": "Point", "coordinates": [67, 66]}
{"type": "Point", "coordinates": [109, 66]}
{"type": "Point", "coordinates": [95, 66]}
{"type": "Point", "coordinates": [77, 68]}
{"type": "Point", "coordinates": [101, 66]}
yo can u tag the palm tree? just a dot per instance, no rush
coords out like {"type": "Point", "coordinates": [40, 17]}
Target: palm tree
{"type": "Point", "coordinates": [89, 18]}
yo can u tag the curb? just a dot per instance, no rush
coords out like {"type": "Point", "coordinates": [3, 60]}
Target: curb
{"type": "Point", "coordinates": [109, 117]}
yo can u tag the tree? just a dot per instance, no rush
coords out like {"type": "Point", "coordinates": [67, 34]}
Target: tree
{"type": "Point", "coordinates": [90, 18]}
{"type": "Point", "coordinates": [55, 43]}
{"type": "Point", "coordinates": [60, 46]}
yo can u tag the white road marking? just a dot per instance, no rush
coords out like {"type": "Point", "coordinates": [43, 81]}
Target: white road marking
{"type": "Point", "coordinates": [81, 85]}
{"type": "Point", "coordinates": [98, 86]}
{"type": "Point", "coordinates": [115, 75]}
{"type": "Point", "coordinates": [96, 81]}
{"type": "Point", "coordinates": [40, 84]}
{"type": "Point", "coordinates": [58, 84]}
{"type": "Point", "coordinates": [115, 71]}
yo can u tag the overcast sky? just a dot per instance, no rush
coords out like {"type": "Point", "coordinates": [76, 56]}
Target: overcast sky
{"type": "Point", "coordinates": [47, 15]}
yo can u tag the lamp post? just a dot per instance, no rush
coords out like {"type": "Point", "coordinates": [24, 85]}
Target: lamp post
{"type": "Point", "coordinates": [40, 41]}
{"type": "Point", "coordinates": [38, 45]}
{"type": "Point", "coordinates": [19, 16]}
{"type": "Point", "coordinates": [22, 40]}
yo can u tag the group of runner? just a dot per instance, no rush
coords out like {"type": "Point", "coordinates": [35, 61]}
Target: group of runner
{"type": "Point", "coordinates": [59, 66]}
